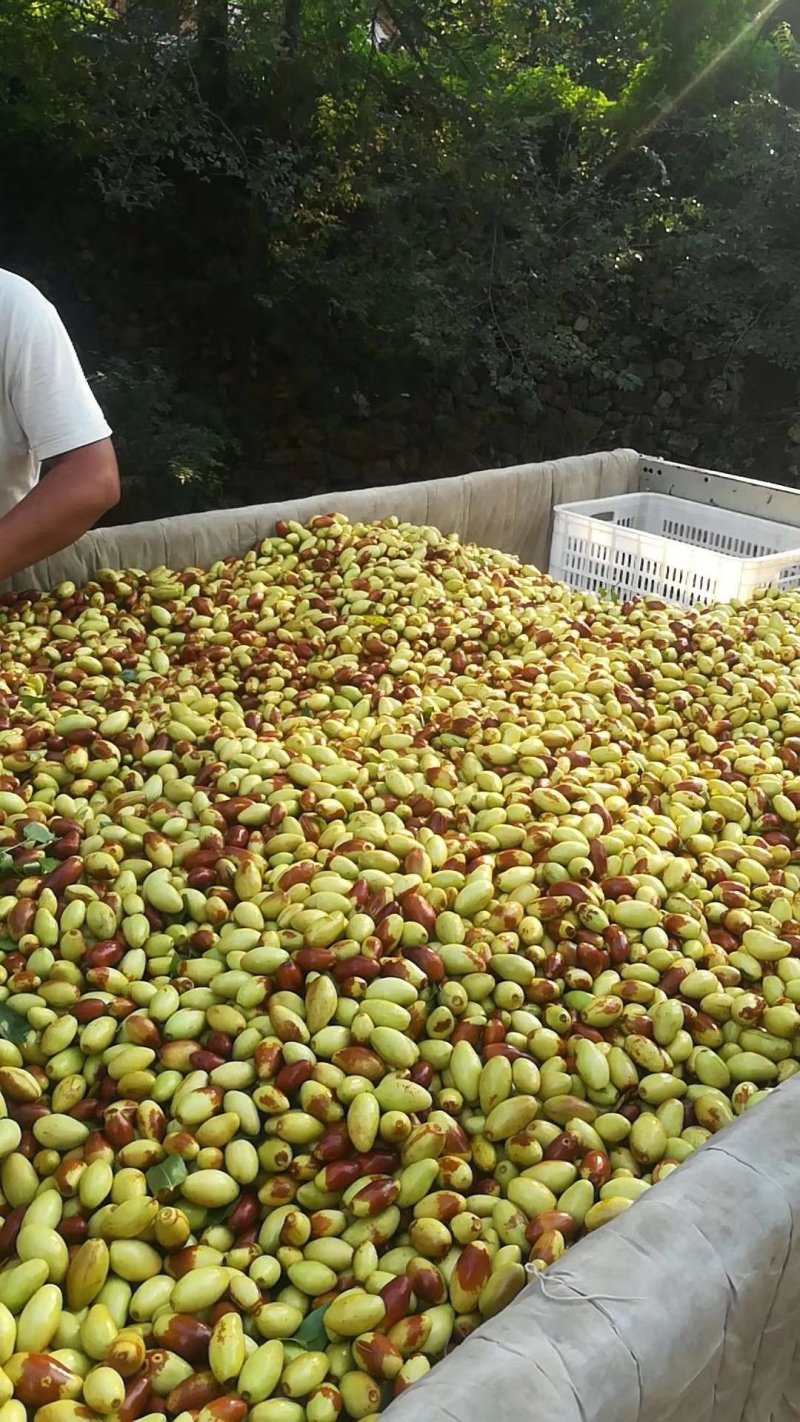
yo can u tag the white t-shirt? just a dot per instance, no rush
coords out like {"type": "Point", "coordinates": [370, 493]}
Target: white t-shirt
{"type": "Point", "coordinates": [46, 406]}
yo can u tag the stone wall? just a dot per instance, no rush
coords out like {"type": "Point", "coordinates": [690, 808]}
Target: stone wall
{"type": "Point", "coordinates": [744, 419]}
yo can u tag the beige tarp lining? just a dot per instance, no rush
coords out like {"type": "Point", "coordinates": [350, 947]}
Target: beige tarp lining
{"type": "Point", "coordinates": [500, 508]}
{"type": "Point", "coordinates": [684, 1309]}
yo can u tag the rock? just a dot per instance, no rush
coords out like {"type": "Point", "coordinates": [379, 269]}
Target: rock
{"type": "Point", "coordinates": [582, 427]}
{"type": "Point", "coordinates": [670, 369]}
{"type": "Point", "coordinates": [635, 402]}
{"type": "Point", "coordinates": [310, 456]}
{"type": "Point", "coordinates": [716, 390]}
{"type": "Point", "coordinates": [340, 472]}
{"type": "Point", "coordinates": [381, 470]}
{"type": "Point", "coordinates": [369, 441]}
{"type": "Point", "coordinates": [794, 433]}
{"type": "Point", "coordinates": [285, 455]}
{"type": "Point", "coordinates": [665, 400]}
{"type": "Point", "coordinates": [683, 444]}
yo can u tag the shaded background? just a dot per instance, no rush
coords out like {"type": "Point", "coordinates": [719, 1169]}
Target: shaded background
{"type": "Point", "coordinates": [324, 243]}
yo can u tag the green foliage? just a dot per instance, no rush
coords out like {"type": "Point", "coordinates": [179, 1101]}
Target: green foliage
{"type": "Point", "coordinates": [166, 441]}
{"type": "Point", "coordinates": [500, 193]}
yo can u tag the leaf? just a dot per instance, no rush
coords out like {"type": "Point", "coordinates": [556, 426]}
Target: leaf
{"type": "Point", "coordinates": [30, 701]}
{"type": "Point", "coordinates": [129, 676]}
{"type": "Point", "coordinates": [167, 1175]}
{"type": "Point", "coordinates": [38, 834]}
{"type": "Point", "coordinates": [7, 865]}
{"type": "Point", "coordinates": [430, 995]}
{"type": "Point", "coordinates": [311, 1333]}
{"type": "Point", "coordinates": [629, 380]}
{"type": "Point", "coordinates": [14, 1028]}
{"type": "Point", "coordinates": [218, 1216]}
{"type": "Point", "coordinates": [7, 945]}
{"type": "Point", "coordinates": [47, 865]}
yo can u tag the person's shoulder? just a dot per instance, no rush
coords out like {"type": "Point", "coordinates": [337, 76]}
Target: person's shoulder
{"type": "Point", "coordinates": [19, 294]}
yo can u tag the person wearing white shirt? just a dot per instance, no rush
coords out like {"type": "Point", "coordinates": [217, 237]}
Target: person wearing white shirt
{"type": "Point", "coordinates": [49, 421]}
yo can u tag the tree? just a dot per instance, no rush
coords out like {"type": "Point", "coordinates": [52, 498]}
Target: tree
{"type": "Point", "coordinates": [286, 210]}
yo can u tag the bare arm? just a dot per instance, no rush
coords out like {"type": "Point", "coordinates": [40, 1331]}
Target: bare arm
{"type": "Point", "coordinates": [81, 485]}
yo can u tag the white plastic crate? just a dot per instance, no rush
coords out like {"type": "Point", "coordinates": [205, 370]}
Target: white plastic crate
{"type": "Point", "coordinates": [633, 545]}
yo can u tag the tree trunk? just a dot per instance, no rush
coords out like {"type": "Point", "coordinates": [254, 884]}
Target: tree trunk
{"type": "Point", "coordinates": [292, 15]}
{"type": "Point", "coordinates": [212, 40]}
